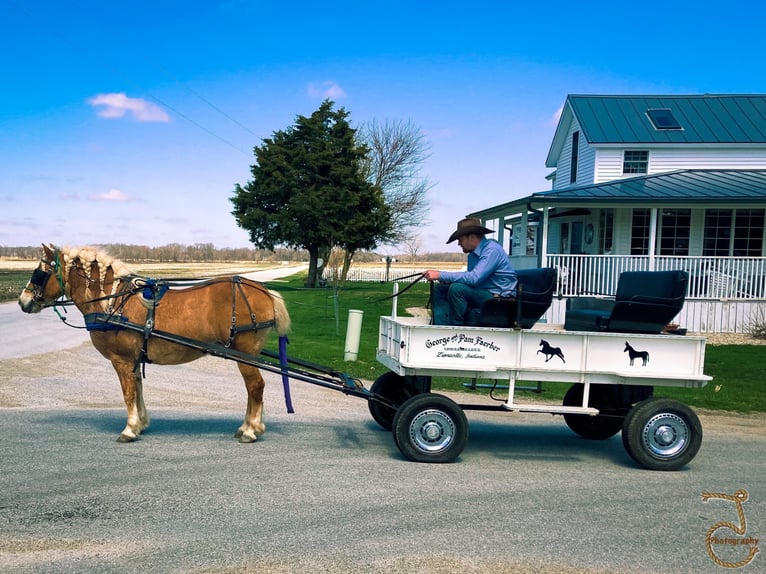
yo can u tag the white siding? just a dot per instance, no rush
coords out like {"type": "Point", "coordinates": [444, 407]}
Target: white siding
{"type": "Point", "coordinates": [692, 157]}
{"type": "Point", "coordinates": [609, 160]}
{"type": "Point", "coordinates": [608, 165]}
{"type": "Point", "coordinates": [586, 161]}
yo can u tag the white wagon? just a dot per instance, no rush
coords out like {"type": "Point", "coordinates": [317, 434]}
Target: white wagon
{"type": "Point", "coordinates": [612, 374]}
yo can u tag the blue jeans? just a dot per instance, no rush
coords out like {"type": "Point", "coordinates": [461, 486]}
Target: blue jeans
{"type": "Point", "coordinates": [451, 302]}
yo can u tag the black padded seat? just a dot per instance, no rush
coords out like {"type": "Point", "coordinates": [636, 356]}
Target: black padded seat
{"type": "Point", "coordinates": [645, 302]}
{"type": "Point", "coordinates": [534, 295]}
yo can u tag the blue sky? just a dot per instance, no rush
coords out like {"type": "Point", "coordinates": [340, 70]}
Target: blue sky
{"type": "Point", "coordinates": [131, 122]}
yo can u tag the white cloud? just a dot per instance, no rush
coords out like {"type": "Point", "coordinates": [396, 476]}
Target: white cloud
{"type": "Point", "coordinates": [111, 195]}
{"type": "Point", "coordinates": [117, 105]}
{"type": "Point", "coordinates": [325, 90]}
{"type": "Point", "coordinates": [554, 121]}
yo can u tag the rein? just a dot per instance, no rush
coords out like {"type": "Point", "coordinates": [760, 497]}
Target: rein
{"type": "Point", "coordinates": [418, 277]}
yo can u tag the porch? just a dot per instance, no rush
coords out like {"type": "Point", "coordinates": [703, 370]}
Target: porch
{"type": "Point", "coordinates": [725, 295]}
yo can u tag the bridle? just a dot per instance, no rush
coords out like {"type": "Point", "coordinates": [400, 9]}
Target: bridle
{"type": "Point", "coordinates": [40, 278]}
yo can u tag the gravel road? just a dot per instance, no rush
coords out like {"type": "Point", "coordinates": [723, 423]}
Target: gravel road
{"type": "Point", "coordinates": [325, 490]}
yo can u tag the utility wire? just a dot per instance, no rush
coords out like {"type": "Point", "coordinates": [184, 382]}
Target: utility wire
{"type": "Point", "coordinates": [55, 31]}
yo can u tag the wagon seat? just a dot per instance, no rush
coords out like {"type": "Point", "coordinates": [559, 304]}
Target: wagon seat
{"type": "Point", "coordinates": [645, 302]}
{"type": "Point", "coordinates": [534, 294]}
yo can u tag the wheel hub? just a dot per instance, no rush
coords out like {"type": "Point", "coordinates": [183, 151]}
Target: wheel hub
{"type": "Point", "coordinates": [666, 435]}
{"type": "Point", "coordinates": [432, 431]}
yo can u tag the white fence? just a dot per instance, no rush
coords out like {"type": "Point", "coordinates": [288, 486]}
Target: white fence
{"type": "Point", "coordinates": [738, 278]}
{"type": "Point", "coordinates": [725, 294]}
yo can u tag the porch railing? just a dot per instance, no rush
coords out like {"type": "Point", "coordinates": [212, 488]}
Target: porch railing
{"type": "Point", "coordinates": [714, 278]}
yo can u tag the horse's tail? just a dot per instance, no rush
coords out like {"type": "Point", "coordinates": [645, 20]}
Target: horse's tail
{"type": "Point", "coordinates": [281, 316]}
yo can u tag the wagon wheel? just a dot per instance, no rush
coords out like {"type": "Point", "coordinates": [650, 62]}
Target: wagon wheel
{"type": "Point", "coordinates": [662, 434]}
{"type": "Point", "coordinates": [597, 427]}
{"type": "Point", "coordinates": [430, 428]}
{"type": "Point", "coordinates": [394, 388]}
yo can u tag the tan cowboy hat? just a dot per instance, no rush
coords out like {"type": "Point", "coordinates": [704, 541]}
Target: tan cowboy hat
{"type": "Point", "coordinates": [469, 225]}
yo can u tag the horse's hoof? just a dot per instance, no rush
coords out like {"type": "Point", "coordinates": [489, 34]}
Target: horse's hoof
{"type": "Point", "coordinates": [239, 433]}
{"type": "Point", "coordinates": [246, 438]}
{"type": "Point", "coordinates": [123, 438]}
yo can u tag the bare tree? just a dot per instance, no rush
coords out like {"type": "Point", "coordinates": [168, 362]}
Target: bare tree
{"type": "Point", "coordinates": [397, 152]}
{"type": "Point", "coordinates": [413, 246]}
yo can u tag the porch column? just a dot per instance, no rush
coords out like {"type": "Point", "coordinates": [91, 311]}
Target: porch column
{"type": "Point", "coordinates": [500, 229]}
{"type": "Point", "coordinates": [652, 237]}
{"type": "Point", "coordinates": [544, 246]}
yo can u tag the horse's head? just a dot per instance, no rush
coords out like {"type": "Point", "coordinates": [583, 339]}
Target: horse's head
{"type": "Point", "coordinates": [40, 290]}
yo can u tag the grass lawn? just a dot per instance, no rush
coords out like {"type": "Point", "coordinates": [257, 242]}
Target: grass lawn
{"type": "Point", "coordinates": [319, 331]}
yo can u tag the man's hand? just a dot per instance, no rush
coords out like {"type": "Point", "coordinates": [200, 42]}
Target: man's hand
{"type": "Point", "coordinates": [431, 275]}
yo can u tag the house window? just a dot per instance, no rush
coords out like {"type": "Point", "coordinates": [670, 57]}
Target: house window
{"type": "Point", "coordinates": [639, 236]}
{"type": "Point", "coordinates": [717, 232]}
{"type": "Point", "coordinates": [605, 230]}
{"type": "Point", "coordinates": [573, 164]}
{"type": "Point", "coordinates": [635, 161]}
{"type": "Point", "coordinates": [733, 232]}
{"type": "Point", "coordinates": [674, 231]}
{"type": "Point", "coordinates": [532, 229]}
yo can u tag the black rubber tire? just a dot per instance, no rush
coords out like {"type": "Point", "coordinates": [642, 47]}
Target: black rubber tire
{"type": "Point", "coordinates": [394, 388]}
{"type": "Point", "coordinates": [599, 427]}
{"type": "Point", "coordinates": [430, 428]}
{"type": "Point", "coordinates": [662, 434]}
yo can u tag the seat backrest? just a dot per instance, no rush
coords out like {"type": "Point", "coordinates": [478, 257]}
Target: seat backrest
{"type": "Point", "coordinates": [665, 287]}
{"type": "Point", "coordinates": [535, 293]}
{"type": "Point", "coordinates": [646, 301]}
{"type": "Point", "coordinates": [538, 284]}
{"type": "Point", "coordinates": [537, 287]}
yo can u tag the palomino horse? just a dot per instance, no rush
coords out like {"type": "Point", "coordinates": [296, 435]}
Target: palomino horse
{"type": "Point", "coordinates": [231, 311]}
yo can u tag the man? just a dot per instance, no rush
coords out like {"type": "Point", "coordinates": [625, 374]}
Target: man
{"type": "Point", "coordinates": [489, 274]}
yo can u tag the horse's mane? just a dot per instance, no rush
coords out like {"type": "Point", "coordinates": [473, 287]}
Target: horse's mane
{"type": "Point", "coordinates": [89, 255]}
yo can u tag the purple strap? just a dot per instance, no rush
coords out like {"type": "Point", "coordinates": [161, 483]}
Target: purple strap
{"type": "Point", "coordinates": [285, 379]}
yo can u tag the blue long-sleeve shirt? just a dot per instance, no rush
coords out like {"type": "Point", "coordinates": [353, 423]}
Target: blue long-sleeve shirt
{"type": "Point", "coordinates": [488, 268]}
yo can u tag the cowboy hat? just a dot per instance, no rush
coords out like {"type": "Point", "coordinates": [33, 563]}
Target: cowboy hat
{"type": "Point", "coordinates": [467, 226]}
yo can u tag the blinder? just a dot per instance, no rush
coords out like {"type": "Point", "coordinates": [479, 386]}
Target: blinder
{"type": "Point", "coordinates": [40, 278]}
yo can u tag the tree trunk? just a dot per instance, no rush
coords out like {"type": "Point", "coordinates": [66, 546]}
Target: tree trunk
{"type": "Point", "coordinates": [348, 256]}
{"type": "Point", "coordinates": [311, 282]}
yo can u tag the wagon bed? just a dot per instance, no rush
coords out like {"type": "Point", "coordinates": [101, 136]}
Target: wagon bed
{"type": "Point", "coordinates": [612, 375]}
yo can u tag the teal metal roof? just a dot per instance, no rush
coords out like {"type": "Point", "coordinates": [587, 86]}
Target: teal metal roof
{"type": "Point", "coordinates": [704, 119]}
{"type": "Point", "coordinates": [697, 186]}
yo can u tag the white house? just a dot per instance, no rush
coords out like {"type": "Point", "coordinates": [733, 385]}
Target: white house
{"type": "Point", "coordinates": [652, 182]}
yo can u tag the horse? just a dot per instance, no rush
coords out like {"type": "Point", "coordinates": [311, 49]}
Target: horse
{"type": "Point", "coordinates": [228, 310]}
{"type": "Point", "coordinates": [633, 354]}
{"type": "Point", "coordinates": [550, 352]}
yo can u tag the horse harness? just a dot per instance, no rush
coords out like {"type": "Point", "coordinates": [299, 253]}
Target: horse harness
{"type": "Point", "coordinates": [152, 291]}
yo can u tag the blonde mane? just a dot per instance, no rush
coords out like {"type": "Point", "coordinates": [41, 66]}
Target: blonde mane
{"type": "Point", "coordinates": [87, 257]}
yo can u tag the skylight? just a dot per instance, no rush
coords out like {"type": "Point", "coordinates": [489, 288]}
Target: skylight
{"type": "Point", "coordinates": [663, 119]}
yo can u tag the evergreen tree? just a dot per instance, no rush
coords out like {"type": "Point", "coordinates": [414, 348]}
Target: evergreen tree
{"type": "Point", "coordinates": [308, 190]}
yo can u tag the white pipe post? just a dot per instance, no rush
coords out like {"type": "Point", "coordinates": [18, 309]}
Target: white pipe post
{"type": "Point", "coordinates": [353, 334]}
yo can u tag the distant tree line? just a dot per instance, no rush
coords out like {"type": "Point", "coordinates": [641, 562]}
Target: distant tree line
{"type": "Point", "coordinates": [208, 253]}
{"type": "Point", "coordinates": [174, 253]}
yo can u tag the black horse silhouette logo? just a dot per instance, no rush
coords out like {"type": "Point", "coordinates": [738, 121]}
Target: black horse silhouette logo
{"type": "Point", "coordinates": [549, 351]}
{"type": "Point", "coordinates": [633, 354]}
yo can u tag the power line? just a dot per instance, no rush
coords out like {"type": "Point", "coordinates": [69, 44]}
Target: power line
{"type": "Point", "coordinates": [56, 32]}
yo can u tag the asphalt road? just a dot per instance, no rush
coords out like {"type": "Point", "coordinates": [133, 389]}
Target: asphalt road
{"type": "Point", "coordinates": [326, 490]}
